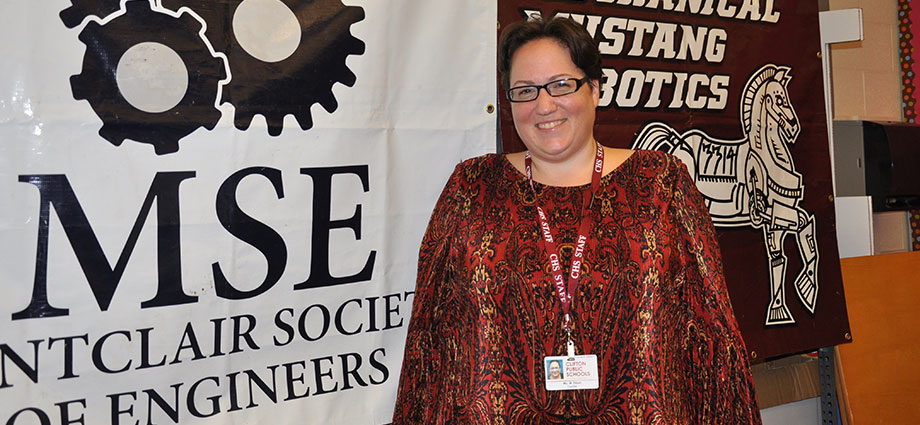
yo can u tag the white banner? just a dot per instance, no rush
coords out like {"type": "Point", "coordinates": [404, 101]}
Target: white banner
{"type": "Point", "coordinates": [211, 210]}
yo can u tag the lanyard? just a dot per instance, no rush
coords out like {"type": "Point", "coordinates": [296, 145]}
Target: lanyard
{"type": "Point", "coordinates": [564, 292]}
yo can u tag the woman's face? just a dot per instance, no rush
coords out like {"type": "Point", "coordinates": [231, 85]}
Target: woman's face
{"type": "Point", "coordinates": [555, 370]}
{"type": "Point", "coordinates": [552, 128]}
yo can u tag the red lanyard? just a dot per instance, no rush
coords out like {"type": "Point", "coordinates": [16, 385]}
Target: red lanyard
{"type": "Point", "coordinates": [565, 293]}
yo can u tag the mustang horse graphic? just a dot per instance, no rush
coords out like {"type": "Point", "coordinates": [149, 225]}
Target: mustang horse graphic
{"type": "Point", "coordinates": [752, 181]}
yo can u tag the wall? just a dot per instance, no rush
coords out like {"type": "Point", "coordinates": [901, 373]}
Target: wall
{"type": "Point", "coordinates": [880, 289]}
{"type": "Point", "coordinates": [865, 73]}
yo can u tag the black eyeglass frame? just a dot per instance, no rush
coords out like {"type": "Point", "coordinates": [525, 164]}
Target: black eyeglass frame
{"type": "Point", "coordinates": [578, 83]}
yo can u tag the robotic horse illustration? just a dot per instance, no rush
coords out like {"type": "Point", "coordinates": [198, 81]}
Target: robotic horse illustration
{"type": "Point", "coordinates": [752, 181]}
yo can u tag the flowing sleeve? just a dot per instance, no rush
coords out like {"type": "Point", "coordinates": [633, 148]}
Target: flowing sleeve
{"type": "Point", "coordinates": [719, 387]}
{"type": "Point", "coordinates": [421, 398]}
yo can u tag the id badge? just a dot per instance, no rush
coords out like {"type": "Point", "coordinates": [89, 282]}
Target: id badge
{"type": "Point", "coordinates": [570, 373]}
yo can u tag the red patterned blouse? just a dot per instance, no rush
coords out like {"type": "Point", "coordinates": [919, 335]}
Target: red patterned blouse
{"type": "Point", "coordinates": [651, 304]}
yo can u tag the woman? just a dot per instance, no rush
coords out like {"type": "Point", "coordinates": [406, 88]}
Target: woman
{"type": "Point", "coordinates": [497, 297]}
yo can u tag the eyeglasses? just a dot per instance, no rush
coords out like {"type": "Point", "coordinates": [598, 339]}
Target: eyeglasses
{"type": "Point", "coordinates": [553, 88]}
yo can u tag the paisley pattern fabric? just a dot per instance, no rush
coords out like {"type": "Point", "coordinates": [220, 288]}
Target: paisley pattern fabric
{"type": "Point", "coordinates": [651, 304]}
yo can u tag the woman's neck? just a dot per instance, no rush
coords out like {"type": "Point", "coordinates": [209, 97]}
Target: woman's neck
{"type": "Point", "coordinates": [574, 170]}
{"type": "Point", "coordinates": [613, 158]}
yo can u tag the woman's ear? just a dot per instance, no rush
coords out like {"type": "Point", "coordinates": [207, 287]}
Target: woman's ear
{"type": "Point", "coordinates": [595, 91]}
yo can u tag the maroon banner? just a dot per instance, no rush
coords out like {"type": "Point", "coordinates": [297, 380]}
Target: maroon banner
{"type": "Point", "coordinates": [734, 89]}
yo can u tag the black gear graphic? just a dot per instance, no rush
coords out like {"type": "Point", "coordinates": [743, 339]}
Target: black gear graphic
{"type": "Point", "coordinates": [293, 85]}
{"type": "Point", "coordinates": [80, 9]}
{"type": "Point", "coordinates": [97, 84]}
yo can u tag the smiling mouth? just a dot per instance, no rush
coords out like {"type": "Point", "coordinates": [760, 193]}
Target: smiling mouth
{"type": "Point", "coordinates": [550, 125]}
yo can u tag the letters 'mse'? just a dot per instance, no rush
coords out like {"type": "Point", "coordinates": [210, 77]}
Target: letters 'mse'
{"type": "Point", "coordinates": [55, 190]}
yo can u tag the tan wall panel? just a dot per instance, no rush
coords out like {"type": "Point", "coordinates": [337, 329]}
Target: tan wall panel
{"type": "Point", "coordinates": [866, 76]}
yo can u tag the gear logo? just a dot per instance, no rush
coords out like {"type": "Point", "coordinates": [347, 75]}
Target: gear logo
{"type": "Point", "coordinates": [98, 82]}
{"type": "Point", "coordinates": [222, 58]}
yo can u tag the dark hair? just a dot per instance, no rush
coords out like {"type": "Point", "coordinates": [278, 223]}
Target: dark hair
{"type": "Point", "coordinates": [575, 38]}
